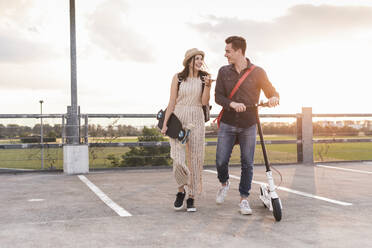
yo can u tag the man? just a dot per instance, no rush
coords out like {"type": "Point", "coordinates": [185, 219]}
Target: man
{"type": "Point", "coordinates": [237, 121]}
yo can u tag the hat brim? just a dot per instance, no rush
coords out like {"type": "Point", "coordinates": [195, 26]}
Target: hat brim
{"type": "Point", "coordinates": [192, 54]}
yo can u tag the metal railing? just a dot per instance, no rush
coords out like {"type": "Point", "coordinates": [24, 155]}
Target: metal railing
{"type": "Point", "coordinates": [304, 139]}
{"type": "Point", "coordinates": [153, 116]}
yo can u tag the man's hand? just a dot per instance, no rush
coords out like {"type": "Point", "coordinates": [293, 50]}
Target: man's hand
{"type": "Point", "coordinates": [238, 107]}
{"type": "Point", "coordinates": [273, 101]}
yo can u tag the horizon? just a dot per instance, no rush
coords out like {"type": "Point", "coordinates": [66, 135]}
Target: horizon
{"type": "Point", "coordinates": [152, 122]}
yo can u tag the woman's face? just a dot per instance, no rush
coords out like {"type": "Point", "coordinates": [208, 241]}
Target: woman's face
{"type": "Point", "coordinates": [198, 63]}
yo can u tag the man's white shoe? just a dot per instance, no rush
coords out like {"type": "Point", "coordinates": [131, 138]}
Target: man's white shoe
{"type": "Point", "coordinates": [222, 192]}
{"type": "Point", "coordinates": [244, 207]}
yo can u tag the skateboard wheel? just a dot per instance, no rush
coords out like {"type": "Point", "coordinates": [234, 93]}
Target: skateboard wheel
{"type": "Point", "coordinates": [181, 134]}
{"type": "Point", "coordinates": [186, 134]}
{"type": "Point", "coordinates": [160, 115]}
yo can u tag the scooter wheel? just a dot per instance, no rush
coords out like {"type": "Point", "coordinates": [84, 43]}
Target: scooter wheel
{"type": "Point", "coordinates": [262, 195]}
{"type": "Point", "coordinates": [277, 210]}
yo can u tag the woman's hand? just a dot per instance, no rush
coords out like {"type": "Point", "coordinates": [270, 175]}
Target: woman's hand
{"type": "Point", "coordinates": [164, 129]}
{"type": "Point", "coordinates": [208, 81]}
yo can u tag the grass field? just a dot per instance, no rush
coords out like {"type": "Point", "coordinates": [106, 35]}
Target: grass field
{"type": "Point", "coordinates": [282, 153]}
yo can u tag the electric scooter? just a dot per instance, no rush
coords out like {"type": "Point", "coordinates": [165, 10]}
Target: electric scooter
{"type": "Point", "coordinates": [268, 195]}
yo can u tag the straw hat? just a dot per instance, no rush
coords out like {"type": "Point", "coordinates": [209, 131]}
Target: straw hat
{"type": "Point", "coordinates": [191, 53]}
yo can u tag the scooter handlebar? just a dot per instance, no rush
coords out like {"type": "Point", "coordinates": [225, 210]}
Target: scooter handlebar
{"type": "Point", "coordinates": [261, 104]}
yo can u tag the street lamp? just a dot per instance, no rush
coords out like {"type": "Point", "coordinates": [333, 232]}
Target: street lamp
{"type": "Point", "coordinates": [75, 155]}
{"type": "Point", "coordinates": [72, 111]}
{"type": "Point", "coordinates": [41, 134]}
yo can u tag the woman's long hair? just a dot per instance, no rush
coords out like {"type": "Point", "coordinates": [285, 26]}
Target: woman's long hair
{"type": "Point", "coordinates": [184, 74]}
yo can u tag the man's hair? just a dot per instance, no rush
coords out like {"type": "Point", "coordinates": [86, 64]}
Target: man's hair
{"type": "Point", "coordinates": [237, 42]}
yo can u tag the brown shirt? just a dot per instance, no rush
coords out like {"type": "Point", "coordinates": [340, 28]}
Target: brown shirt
{"type": "Point", "coordinates": [248, 93]}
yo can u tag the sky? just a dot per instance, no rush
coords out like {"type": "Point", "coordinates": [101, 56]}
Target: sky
{"type": "Point", "coordinates": [316, 53]}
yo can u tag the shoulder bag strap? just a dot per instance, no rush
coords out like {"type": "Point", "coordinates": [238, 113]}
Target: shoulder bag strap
{"type": "Point", "coordinates": [236, 87]}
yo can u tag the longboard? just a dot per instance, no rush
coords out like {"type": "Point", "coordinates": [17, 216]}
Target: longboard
{"type": "Point", "coordinates": [175, 129]}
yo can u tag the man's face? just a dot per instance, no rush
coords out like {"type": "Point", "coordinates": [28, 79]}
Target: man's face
{"type": "Point", "coordinates": [232, 55]}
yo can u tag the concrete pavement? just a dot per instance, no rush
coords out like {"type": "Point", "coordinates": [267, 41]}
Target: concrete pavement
{"type": "Point", "coordinates": [56, 210]}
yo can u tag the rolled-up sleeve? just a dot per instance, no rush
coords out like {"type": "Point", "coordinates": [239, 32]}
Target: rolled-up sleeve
{"type": "Point", "coordinates": [266, 85]}
{"type": "Point", "coordinates": [220, 94]}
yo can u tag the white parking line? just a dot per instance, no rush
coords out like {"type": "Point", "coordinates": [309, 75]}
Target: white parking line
{"type": "Point", "coordinates": [294, 191]}
{"type": "Point", "coordinates": [344, 169]}
{"type": "Point", "coordinates": [36, 200]}
{"type": "Point", "coordinates": [119, 210]}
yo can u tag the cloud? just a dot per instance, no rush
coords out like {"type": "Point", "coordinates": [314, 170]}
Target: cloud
{"type": "Point", "coordinates": [14, 7]}
{"type": "Point", "coordinates": [15, 47]}
{"type": "Point", "coordinates": [53, 75]}
{"type": "Point", "coordinates": [302, 24]}
{"type": "Point", "coordinates": [19, 35]}
{"type": "Point", "coordinates": [118, 39]}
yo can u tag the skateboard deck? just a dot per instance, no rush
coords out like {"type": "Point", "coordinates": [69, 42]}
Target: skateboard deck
{"type": "Point", "coordinates": [175, 129]}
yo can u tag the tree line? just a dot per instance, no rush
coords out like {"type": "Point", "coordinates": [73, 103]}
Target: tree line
{"type": "Point", "coordinates": [12, 131]}
{"type": "Point", "coordinates": [55, 131]}
{"type": "Point", "coordinates": [319, 129]}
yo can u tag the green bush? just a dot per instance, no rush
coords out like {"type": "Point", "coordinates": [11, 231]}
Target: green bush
{"type": "Point", "coordinates": [113, 160]}
{"type": "Point", "coordinates": [141, 156]}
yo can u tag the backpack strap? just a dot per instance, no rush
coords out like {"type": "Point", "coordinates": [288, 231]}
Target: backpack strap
{"type": "Point", "coordinates": [179, 82]}
{"type": "Point", "coordinates": [203, 84]}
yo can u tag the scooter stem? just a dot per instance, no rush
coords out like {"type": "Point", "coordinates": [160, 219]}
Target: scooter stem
{"type": "Point", "coordinates": [270, 181]}
{"type": "Point", "coordinates": [262, 142]}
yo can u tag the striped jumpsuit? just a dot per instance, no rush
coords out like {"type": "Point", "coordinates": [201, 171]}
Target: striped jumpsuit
{"type": "Point", "coordinates": [188, 159]}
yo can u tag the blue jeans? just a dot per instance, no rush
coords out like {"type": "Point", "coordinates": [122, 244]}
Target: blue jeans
{"type": "Point", "coordinates": [226, 140]}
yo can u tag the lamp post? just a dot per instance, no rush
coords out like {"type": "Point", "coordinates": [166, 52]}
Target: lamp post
{"type": "Point", "coordinates": [75, 155]}
{"type": "Point", "coordinates": [72, 111]}
{"type": "Point", "coordinates": [41, 134]}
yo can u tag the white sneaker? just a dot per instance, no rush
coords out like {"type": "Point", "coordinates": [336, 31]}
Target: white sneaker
{"type": "Point", "coordinates": [222, 192]}
{"type": "Point", "coordinates": [245, 208]}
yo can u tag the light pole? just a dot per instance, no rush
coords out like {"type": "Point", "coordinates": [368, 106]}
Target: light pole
{"type": "Point", "coordinates": [75, 155]}
{"type": "Point", "coordinates": [41, 134]}
{"type": "Point", "coordinates": [72, 111]}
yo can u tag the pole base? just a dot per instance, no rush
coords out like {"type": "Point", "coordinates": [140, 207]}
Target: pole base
{"type": "Point", "coordinates": [75, 159]}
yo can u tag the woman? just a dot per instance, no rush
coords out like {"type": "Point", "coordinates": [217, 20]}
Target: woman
{"type": "Point", "coordinates": [186, 99]}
